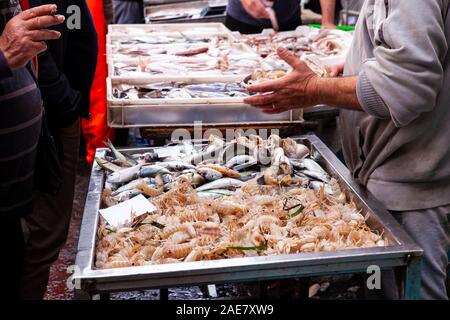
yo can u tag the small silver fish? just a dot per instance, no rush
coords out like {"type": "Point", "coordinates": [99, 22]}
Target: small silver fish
{"type": "Point", "coordinates": [210, 174]}
{"type": "Point", "coordinates": [124, 175]}
{"type": "Point", "coordinates": [130, 186]}
{"type": "Point", "coordinates": [152, 170]}
{"type": "Point", "coordinates": [240, 160]}
{"type": "Point", "coordinates": [225, 183]}
{"type": "Point", "coordinates": [106, 165]}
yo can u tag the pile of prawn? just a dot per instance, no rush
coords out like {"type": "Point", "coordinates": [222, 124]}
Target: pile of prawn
{"type": "Point", "coordinates": [256, 220]}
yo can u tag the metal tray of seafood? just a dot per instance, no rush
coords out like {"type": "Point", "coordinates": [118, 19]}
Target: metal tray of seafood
{"type": "Point", "coordinates": [234, 100]}
{"type": "Point", "coordinates": [121, 31]}
{"type": "Point", "coordinates": [402, 252]}
{"type": "Point", "coordinates": [239, 65]}
{"type": "Point", "coordinates": [175, 11]}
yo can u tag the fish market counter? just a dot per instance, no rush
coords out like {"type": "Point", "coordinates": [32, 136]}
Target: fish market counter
{"type": "Point", "coordinates": [400, 253]}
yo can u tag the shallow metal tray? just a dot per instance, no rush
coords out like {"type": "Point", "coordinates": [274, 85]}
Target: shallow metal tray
{"type": "Point", "coordinates": [402, 253]}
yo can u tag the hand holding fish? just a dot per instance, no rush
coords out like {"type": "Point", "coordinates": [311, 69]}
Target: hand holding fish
{"type": "Point", "coordinates": [290, 92]}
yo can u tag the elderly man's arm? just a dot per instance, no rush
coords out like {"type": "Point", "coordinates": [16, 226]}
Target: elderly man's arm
{"type": "Point", "coordinates": [328, 9]}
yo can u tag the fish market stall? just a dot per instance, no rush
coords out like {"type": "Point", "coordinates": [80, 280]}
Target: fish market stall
{"type": "Point", "coordinates": [316, 221]}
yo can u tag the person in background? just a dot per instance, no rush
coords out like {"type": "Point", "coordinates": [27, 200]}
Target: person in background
{"type": "Point", "coordinates": [395, 120]}
{"type": "Point", "coordinates": [22, 38]}
{"type": "Point", "coordinates": [129, 11]}
{"type": "Point", "coordinates": [66, 71]}
{"type": "Point", "coordinates": [96, 130]}
{"type": "Point", "coordinates": [251, 16]}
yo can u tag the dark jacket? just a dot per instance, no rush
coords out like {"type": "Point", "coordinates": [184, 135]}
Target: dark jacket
{"type": "Point", "coordinates": [20, 125]}
{"type": "Point", "coordinates": [67, 68]}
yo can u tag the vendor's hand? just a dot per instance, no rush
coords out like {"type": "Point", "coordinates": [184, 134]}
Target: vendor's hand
{"type": "Point", "coordinates": [257, 8]}
{"type": "Point", "coordinates": [296, 90]}
{"type": "Point", "coordinates": [336, 70]}
{"type": "Point", "coordinates": [24, 35]}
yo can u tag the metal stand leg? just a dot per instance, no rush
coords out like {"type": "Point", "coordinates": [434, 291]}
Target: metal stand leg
{"type": "Point", "coordinates": [163, 294]}
{"type": "Point", "coordinates": [263, 290]}
{"type": "Point", "coordinates": [413, 279]}
{"type": "Point", "coordinates": [82, 295]}
{"type": "Point", "coordinates": [105, 296]}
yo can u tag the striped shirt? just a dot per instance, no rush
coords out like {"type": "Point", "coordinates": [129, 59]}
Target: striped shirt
{"type": "Point", "coordinates": [20, 127]}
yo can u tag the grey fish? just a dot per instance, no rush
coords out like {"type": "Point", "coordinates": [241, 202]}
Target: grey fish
{"type": "Point", "coordinates": [132, 185]}
{"type": "Point", "coordinates": [127, 195]}
{"type": "Point", "coordinates": [125, 175]}
{"type": "Point", "coordinates": [152, 170]}
{"type": "Point", "coordinates": [312, 165]}
{"type": "Point", "coordinates": [106, 165]}
{"type": "Point", "coordinates": [317, 175]}
{"type": "Point", "coordinates": [176, 165]}
{"type": "Point", "coordinates": [119, 156]}
{"type": "Point", "coordinates": [225, 183]}
{"type": "Point", "coordinates": [215, 193]}
{"type": "Point", "coordinates": [239, 160]}
{"type": "Point", "coordinates": [210, 174]}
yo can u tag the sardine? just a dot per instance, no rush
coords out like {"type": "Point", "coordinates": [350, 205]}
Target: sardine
{"type": "Point", "coordinates": [176, 165]}
{"type": "Point", "coordinates": [125, 175]}
{"type": "Point", "coordinates": [132, 185]}
{"type": "Point", "coordinates": [106, 165]}
{"type": "Point", "coordinates": [127, 195]}
{"type": "Point", "coordinates": [215, 193]}
{"type": "Point", "coordinates": [210, 174]}
{"type": "Point", "coordinates": [225, 183]}
{"type": "Point", "coordinates": [152, 170]}
{"type": "Point", "coordinates": [241, 159]}
{"type": "Point", "coordinates": [119, 156]}
{"type": "Point", "coordinates": [312, 165]}
{"type": "Point", "coordinates": [317, 175]}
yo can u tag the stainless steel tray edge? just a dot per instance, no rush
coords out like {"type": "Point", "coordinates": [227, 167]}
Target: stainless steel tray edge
{"type": "Point", "coordinates": [242, 269]}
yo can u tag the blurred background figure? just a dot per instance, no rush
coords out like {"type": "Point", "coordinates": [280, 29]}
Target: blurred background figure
{"type": "Point", "coordinates": [96, 130]}
{"type": "Point", "coordinates": [129, 11]}
{"type": "Point", "coordinates": [252, 16]}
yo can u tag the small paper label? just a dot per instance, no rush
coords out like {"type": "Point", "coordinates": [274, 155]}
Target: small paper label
{"type": "Point", "coordinates": [120, 214]}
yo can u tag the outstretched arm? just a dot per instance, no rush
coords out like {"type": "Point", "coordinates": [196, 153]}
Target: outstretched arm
{"type": "Point", "coordinates": [302, 88]}
{"type": "Point", "coordinates": [328, 9]}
